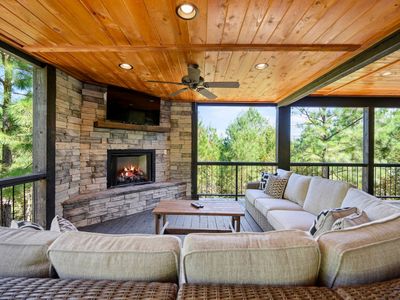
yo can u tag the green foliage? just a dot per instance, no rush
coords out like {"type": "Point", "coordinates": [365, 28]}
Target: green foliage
{"type": "Point", "coordinates": [249, 137]}
{"type": "Point", "coordinates": [328, 135]}
{"type": "Point", "coordinates": [16, 116]}
{"type": "Point", "coordinates": [387, 135]}
{"type": "Point", "coordinates": [209, 143]}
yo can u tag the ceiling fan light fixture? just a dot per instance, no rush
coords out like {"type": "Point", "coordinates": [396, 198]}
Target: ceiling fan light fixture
{"type": "Point", "coordinates": [261, 66]}
{"type": "Point", "coordinates": [387, 73]}
{"type": "Point", "coordinates": [186, 11]}
{"type": "Point", "coordinates": [125, 66]}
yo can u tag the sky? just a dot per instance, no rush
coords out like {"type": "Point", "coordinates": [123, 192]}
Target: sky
{"type": "Point", "coordinates": [219, 117]}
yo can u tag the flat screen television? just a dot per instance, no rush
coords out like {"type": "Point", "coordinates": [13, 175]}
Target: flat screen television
{"type": "Point", "coordinates": [133, 107]}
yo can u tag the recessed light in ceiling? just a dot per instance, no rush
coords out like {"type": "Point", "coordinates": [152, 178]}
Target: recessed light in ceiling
{"type": "Point", "coordinates": [261, 66]}
{"type": "Point", "coordinates": [387, 73]}
{"type": "Point", "coordinates": [125, 66]}
{"type": "Point", "coordinates": [186, 11]}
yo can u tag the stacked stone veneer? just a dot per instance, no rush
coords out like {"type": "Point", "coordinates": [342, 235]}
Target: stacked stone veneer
{"type": "Point", "coordinates": [81, 155]}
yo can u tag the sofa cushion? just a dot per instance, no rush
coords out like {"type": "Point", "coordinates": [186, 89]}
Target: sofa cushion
{"type": "Point", "coordinates": [362, 254]}
{"type": "Point", "coordinates": [251, 195]}
{"type": "Point", "coordinates": [83, 255]}
{"type": "Point", "coordinates": [275, 187]}
{"type": "Point", "coordinates": [264, 205]}
{"type": "Point", "coordinates": [275, 258]}
{"type": "Point", "coordinates": [324, 194]}
{"type": "Point", "coordinates": [372, 206]}
{"type": "Point", "coordinates": [326, 218]}
{"type": "Point", "coordinates": [296, 188]}
{"type": "Point", "coordinates": [23, 252]}
{"type": "Point", "coordinates": [290, 219]}
{"type": "Point", "coordinates": [283, 173]}
{"type": "Point", "coordinates": [350, 221]}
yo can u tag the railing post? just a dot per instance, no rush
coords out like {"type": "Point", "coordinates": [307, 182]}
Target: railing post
{"type": "Point", "coordinates": [283, 138]}
{"type": "Point", "coordinates": [237, 182]}
{"type": "Point", "coordinates": [368, 150]}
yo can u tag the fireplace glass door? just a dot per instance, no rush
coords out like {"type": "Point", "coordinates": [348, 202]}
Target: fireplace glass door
{"type": "Point", "coordinates": [130, 167]}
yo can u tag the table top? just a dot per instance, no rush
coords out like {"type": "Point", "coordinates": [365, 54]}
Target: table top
{"type": "Point", "coordinates": [184, 207]}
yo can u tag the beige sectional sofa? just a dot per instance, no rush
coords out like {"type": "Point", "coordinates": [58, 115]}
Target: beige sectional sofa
{"type": "Point", "coordinates": [305, 197]}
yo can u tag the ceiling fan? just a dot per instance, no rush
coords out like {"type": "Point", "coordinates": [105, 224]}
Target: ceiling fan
{"type": "Point", "coordinates": [193, 81]}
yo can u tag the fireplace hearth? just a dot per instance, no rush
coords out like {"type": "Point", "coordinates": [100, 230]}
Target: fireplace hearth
{"type": "Point", "coordinates": [130, 167]}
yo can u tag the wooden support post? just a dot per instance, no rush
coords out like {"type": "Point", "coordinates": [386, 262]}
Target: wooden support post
{"type": "Point", "coordinates": [39, 143]}
{"type": "Point", "coordinates": [283, 138]}
{"type": "Point", "coordinates": [368, 150]}
{"type": "Point", "coordinates": [194, 151]}
{"type": "Point", "coordinates": [51, 145]}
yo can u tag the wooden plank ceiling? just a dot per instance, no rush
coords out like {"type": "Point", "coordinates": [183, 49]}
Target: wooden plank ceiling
{"type": "Point", "coordinates": [89, 38]}
{"type": "Point", "coordinates": [381, 78]}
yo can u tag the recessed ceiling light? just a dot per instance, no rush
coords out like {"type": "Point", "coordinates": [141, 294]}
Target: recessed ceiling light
{"type": "Point", "coordinates": [261, 66]}
{"type": "Point", "coordinates": [186, 11]}
{"type": "Point", "coordinates": [387, 73]}
{"type": "Point", "coordinates": [125, 66]}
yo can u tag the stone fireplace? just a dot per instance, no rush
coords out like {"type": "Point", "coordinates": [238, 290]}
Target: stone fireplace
{"type": "Point", "coordinates": [130, 167]}
{"type": "Point", "coordinates": [83, 147]}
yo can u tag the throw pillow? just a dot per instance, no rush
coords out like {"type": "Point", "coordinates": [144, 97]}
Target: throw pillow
{"type": "Point", "coordinates": [25, 225]}
{"type": "Point", "coordinates": [350, 221]}
{"type": "Point", "coordinates": [62, 225]}
{"type": "Point", "coordinates": [324, 221]}
{"type": "Point", "coordinates": [264, 179]}
{"type": "Point", "coordinates": [275, 186]}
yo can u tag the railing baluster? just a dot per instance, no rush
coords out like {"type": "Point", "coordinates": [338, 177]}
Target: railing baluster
{"type": "Point", "coordinates": [2, 215]}
{"type": "Point", "coordinates": [13, 202]}
{"type": "Point", "coordinates": [24, 212]}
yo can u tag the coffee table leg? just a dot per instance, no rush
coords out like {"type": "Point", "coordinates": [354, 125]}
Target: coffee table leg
{"type": "Point", "coordinates": [233, 223]}
{"type": "Point", "coordinates": [164, 219]}
{"type": "Point", "coordinates": [238, 224]}
{"type": "Point", "coordinates": [157, 223]}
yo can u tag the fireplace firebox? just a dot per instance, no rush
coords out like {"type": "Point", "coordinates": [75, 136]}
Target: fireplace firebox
{"type": "Point", "coordinates": [128, 167]}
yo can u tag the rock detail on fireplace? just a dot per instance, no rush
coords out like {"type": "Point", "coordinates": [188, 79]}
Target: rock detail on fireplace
{"type": "Point", "coordinates": [81, 155]}
{"type": "Point", "coordinates": [130, 167]}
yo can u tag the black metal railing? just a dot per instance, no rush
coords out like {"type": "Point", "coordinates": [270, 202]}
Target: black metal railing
{"type": "Point", "coordinates": [387, 181]}
{"type": "Point", "coordinates": [17, 197]}
{"type": "Point", "coordinates": [352, 173]}
{"type": "Point", "coordinates": [228, 179]}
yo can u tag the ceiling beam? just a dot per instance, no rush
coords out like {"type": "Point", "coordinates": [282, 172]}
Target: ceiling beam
{"type": "Point", "coordinates": [385, 47]}
{"type": "Point", "coordinates": [197, 47]}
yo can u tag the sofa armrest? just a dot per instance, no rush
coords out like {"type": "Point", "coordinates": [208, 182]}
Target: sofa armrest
{"type": "Point", "coordinates": [255, 185]}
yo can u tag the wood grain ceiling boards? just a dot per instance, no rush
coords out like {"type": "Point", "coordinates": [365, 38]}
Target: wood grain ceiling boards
{"type": "Point", "coordinates": [89, 38]}
{"type": "Point", "coordinates": [381, 78]}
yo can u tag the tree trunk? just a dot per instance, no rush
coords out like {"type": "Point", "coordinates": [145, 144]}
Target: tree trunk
{"type": "Point", "coordinates": [7, 90]}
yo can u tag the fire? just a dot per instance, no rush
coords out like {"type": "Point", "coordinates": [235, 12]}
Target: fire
{"type": "Point", "coordinates": [131, 174]}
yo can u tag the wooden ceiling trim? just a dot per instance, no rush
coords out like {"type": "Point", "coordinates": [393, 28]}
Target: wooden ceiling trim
{"type": "Point", "coordinates": [197, 47]}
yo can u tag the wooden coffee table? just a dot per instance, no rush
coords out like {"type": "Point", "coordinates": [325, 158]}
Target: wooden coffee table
{"type": "Point", "coordinates": [183, 207]}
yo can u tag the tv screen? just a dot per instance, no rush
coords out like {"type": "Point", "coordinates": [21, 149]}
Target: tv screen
{"type": "Point", "coordinates": [133, 107]}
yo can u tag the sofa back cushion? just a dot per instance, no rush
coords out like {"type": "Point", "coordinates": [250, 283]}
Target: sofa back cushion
{"type": "Point", "coordinates": [277, 258]}
{"type": "Point", "coordinates": [324, 194]}
{"type": "Point", "coordinates": [83, 255]}
{"type": "Point", "coordinates": [374, 208]}
{"type": "Point", "coordinates": [296, 188]}
{"type": "Point", "coordinates": [283, 173]}
{"type": "Point", "coordinates": [361, 254]}
{"type": "Point", "coordinates": [23, 252]}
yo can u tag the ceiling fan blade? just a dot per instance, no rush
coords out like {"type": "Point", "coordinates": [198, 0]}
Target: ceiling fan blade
{"type": "Point", "coordinates": [177, 92]}
{"type": "Point", "coordinates": [222, 84]}
{"type": "Point", "coordinates": [206, 93]}
{"type": "Point", "coordinates": [194, 73]}
{"type": "Point", "coordinates": [167, 82]}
